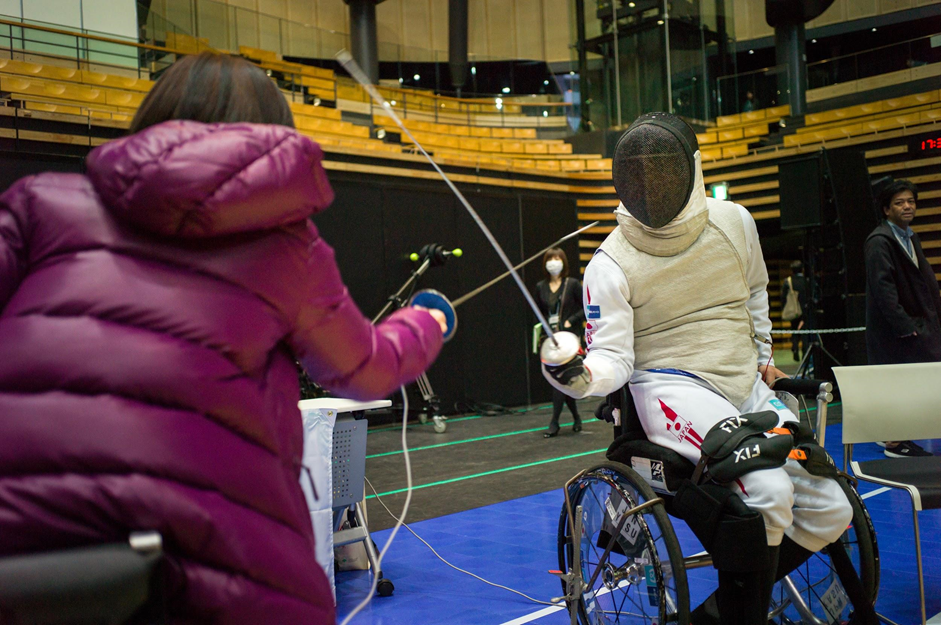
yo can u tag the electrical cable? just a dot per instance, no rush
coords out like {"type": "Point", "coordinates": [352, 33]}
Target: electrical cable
{"type": "Point", "coordinates": [399, 521]}
{"type": "Point", "coordinates": [455, 567]}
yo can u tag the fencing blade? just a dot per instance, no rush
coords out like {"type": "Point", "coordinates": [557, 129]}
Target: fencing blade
{"type": "Point", "coordinates": [486, 286]}
{"type": "Point", "coordinates": [346, 60]}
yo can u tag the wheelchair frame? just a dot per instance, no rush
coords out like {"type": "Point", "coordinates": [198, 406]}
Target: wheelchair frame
{"type": "Point", "coordinates": [575, 586]}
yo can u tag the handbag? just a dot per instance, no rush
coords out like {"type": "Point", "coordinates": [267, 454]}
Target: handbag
{"type": "Point", "coordinates": [792, 305]}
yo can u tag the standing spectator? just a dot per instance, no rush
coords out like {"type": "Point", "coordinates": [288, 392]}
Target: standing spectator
{"type": "Point", "coordinates": [798, 285]}
{"type": "Point", "coordinates": [151, 313]}
{"type": "Point", "coordinates": [903, 306]}
{"type": "Point", "coordinates": [560, 300]}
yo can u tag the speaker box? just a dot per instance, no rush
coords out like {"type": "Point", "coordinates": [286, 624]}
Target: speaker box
{"type": "Point", "coordinates": [801, 187]}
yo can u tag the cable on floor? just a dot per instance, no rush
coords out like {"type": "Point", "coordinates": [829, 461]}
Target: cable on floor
{"type": "Point", "coordinates": [456, 568]}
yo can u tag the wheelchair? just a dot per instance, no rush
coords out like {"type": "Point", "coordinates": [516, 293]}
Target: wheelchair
{"type": "Point", "coordinates": [621, 563]}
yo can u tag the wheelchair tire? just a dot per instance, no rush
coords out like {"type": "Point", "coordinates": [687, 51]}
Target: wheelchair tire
{"type": "Point", "coordinates": [817, 581]}
{"type": "Point", "coordinates": [644, 578]}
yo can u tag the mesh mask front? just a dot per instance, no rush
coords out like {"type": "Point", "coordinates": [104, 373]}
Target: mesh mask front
{"type": "Point", "coordinates": [653, 168]}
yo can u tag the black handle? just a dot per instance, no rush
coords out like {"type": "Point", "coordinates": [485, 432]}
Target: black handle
{"type": "Point", "coordinates": [798, 386]}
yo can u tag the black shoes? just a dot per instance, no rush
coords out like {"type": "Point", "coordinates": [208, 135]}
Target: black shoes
{"type": "Point", "coordinates": [551, 432]}
{"type": "Point", "coordinates": [577, 427]}
{"type": "Point", "coordinates": [906, 449]}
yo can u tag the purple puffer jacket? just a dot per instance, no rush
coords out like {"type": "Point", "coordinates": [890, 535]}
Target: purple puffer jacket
{"type": "Point", "coordinates": [150, 313]}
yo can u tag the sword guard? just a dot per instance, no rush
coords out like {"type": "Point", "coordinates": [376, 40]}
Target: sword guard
{"type": "Point", "coordinates": [565, 347]}
{"type": "Point", "coordinates": [429, 298]}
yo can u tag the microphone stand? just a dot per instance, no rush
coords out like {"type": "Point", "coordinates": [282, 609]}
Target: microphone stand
{"type": "Point", "coordinates": [396, 299]}
{"type": "Point", "coordinates": [432, 404]}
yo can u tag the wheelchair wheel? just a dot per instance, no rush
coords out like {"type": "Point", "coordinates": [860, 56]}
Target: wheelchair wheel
{"type": "Point", "coordinates": [817, 581]}
{"type": "Point", "coordinates": [643, 580]}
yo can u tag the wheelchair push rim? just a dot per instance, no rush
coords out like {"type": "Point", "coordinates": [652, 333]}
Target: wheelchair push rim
{"type": "Point", "coordinates": [643, 579]}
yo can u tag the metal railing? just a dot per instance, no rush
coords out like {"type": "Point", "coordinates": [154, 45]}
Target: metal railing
{"type": "Point", "coordinates": [766, 83]}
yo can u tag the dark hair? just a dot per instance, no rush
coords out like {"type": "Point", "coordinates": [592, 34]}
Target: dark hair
{"type": "Point", "coordinates": [556, 252]}
{"type": "Point", "coordinates": [891, 190]}
{"type": "Point", "coordinates": [211, 87]}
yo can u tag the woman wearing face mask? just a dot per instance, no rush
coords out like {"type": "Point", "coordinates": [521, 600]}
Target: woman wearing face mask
{"type": "Point", "coordinates": [560, 299]}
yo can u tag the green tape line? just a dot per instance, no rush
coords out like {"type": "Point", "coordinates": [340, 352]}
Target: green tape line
{"type": "Point", "coordinates": [466, 440]}
{"type": "Point", "coordinates": [485, 473]}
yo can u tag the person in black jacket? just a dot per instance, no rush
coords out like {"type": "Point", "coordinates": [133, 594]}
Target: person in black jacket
{"type": "Point", "coordinates": [799, 285]}
{"type": "Point", "coordinates": [903, 305]}
{"type": "Point", "coordinates": [560, 300]}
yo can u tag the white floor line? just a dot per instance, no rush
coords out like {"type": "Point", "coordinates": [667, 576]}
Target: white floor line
{"type": "Point", "coordinates": [878, 491]}
{"type": "Point", "coordinates": [935, 620]}
{"type": "Point", "coordinates": [535, 615]}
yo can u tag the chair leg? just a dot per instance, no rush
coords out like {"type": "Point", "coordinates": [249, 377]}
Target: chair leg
{"type": "Point", "coordinates": [921, 576]}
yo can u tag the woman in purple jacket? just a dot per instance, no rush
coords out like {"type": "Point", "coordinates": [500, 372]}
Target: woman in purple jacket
{"type": "Point", "coordinates": [150, 315]}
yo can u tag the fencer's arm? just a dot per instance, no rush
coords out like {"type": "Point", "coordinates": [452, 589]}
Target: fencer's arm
{"type": "Point", "coordinates": [756, 274]}
{"type": "Point", "coordinates": [342, 350]}
{"type": "Point", "coordinates": [609, 331]}
{"type": "Point", "coordinates": [13, 214]}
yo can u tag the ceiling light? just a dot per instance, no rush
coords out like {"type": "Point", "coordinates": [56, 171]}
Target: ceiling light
{"type": "Point", "coordinates": [751, 51]}
{"type": "Point", "coordinates": [873, 30]}
{"type": "Point", "coordinates": [813, 41]}
{"type": "Point", "coordinates": [474, 70]}
{"type": "Point", "coordinates": [631, 5]}
{"type": "Point", "coordinates": [416, 77]}
{"type": "Point", "coordinates": [571, 73]}
{"type": "Point", "coordinates": [401, 80]}
{"type": "Point", "coordinates": [660, 22]}
{"type": "Point", "coordinates": [545, 82]}
{"type": "Point", "coordinates": [545, 113]}
{"type": "Point", "coordinates": [381, 133]}
{"type": "Point", "coordinates": [392, 102]}
{"type": "Point", "coordinates": [506, 90]}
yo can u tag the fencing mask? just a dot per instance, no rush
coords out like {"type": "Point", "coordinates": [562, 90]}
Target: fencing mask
{"type": "Point", "coordinates": [654, 169]}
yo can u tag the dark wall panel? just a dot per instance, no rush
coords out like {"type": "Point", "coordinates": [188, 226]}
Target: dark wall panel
{"type": "Point", "coordinates": [352, 225]}
{"type": "Point", "coordinates": [494, 323]}
{"type": "Point", "coordinates": [413, 217]}
{"type": "Point", "coordinates": [14, 166]}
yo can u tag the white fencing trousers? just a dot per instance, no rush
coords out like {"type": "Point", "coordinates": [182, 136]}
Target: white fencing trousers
{"type": "Point", "coordinates": [677, 411]}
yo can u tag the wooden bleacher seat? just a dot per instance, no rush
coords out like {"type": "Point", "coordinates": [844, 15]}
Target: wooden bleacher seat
{"type": "Point", "coordinates": [330, 126]}
{"type": "Point", "coordinates": [310, 110]}
{"type": "Point", "coordinates": [883, 116]}
{"type": "Point", "coordinates": [53, 90]}
{"type": "Point", "coordinates": [116, 81]}
{"type": "Point", "coordinates": [258, 54]}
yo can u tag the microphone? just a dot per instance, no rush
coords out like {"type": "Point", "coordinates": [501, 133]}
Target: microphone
{"type": "Point", "coordinates": [436, 253]}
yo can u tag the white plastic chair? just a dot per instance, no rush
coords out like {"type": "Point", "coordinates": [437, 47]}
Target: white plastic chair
{"type": "Point", "coordinates": [891, 403]}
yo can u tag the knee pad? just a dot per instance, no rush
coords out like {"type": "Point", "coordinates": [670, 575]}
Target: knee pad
{"type": "Point", "coordinates": [738, 445]}
{"type": "Point", "coordinates": [733, 534]}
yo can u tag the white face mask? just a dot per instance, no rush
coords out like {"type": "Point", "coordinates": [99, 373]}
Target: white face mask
{"type": "Point", "coordinates": [554, 267]}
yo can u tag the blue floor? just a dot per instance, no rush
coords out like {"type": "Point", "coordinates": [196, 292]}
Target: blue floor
{"type": "Point", "coordinates": [514, 544]}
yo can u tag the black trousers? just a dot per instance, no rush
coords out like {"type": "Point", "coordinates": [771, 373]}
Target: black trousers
{"type": "Point", "coordinates": [798, 342]}
{"type": "Point", "coordinates": [558, 399]}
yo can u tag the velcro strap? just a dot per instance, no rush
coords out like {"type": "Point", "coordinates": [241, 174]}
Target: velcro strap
{"type": "Point", "coordinates": [754, 454]}
{"type": "Point", "coordinates": [816, 460]}
{"type": "Point", "coordinates": [728, 434]}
